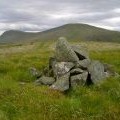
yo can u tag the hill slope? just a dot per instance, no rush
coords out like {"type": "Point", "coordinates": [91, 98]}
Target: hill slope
{"type": "Point", "coordinates": [70, 31]}
{"type": "Point", "coordinates": [16, 36]}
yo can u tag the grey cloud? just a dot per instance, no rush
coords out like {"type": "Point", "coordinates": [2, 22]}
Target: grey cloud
{"type": "Point", "coordinates": [37, 15]}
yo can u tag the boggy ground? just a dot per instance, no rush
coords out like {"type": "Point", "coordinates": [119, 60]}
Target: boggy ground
{"type": "Point", "coordinates": [20, 101]}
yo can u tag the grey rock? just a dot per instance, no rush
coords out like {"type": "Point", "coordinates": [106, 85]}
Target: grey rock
{"type": "Point", "coordinates": [79, 79]}
{"type": "Point", "coordinates": [45, 81]}
{"type": "Point", "coordinates": [83, 63]}
{"type": "Point", "coordinates": [62, 84]}
{"type": "Point", "coordinates": [64, 52]}
{"type": "Point", "coordinates": [33, 71]}
{"type": "Point", "coordinates": [76, 71]}
{"type": "Point", "coordinates": [81, 52]}
{"type": "Point", "coordinates": [61, 68]}
{"type": "Point", "coordinates": [96, 70]}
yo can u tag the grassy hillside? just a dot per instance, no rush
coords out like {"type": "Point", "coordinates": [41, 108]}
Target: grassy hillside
{"type": "Point", "coordinates": [29, 102]}
{"type": "Point", "coordinates": [81, 32]}
{"type": "Point", "coordinates": [13, 36]}
{"type": "Point", "coordinates": [76, 32]}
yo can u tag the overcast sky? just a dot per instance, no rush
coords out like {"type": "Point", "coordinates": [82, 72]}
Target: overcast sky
{"type": "Point", "coordinates": [38, 15]}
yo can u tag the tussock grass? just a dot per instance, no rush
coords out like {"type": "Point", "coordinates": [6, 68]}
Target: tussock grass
{"type": "Point", "coordinates": [30, 102]}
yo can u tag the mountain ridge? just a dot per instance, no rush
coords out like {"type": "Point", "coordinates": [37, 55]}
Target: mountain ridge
{"type": "Point", "coordinates": [74, 31]}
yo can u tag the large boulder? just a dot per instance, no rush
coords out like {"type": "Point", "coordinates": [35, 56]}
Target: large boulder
{"type": "Point", "coordinates": [79, 79]}
{"type": "Point", "coordinates": [64, 51]}
{"type": "Point", "coordinates": [45, 81]}
{"type": "Point", "coordinates": [61, 68]}
{"type": "Point", "coordinates": [80, 51]}
{"type": "Point", "coordinates": [96, 71]}
{"type": "Point", "coordinates": [62, 84]}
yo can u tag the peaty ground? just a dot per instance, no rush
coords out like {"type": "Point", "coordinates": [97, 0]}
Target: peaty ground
{"type": "Point", "coordinates": [20, 101]}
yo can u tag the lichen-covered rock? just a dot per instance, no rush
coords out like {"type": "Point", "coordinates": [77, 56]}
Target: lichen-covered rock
{"type": "Point", "coordinates": [45, 81]}
{"type": "Point", "coordinates": [79, 79]}
{"type": "Point", "coordinates": [96, 70]}
{"type": "Point", "coordinates": [61, 68]}
{"type": "Point", "coordinates": [81, 52]}
{"type": "Point", "coordinates": [64, 52]}
{"type": "Point", "coordinates": [62, 84]}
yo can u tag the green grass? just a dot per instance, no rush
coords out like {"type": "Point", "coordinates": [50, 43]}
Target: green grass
{"type": "Point", "coordinates": [30, 102]}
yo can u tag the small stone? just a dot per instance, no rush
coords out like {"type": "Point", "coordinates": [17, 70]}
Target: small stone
{"type": "Point", "coordinates": [62, 84]}
{"type": "Point", "coordinates": [45, 81]}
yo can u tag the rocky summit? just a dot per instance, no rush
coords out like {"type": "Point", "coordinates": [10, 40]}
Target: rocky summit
{"type": "Point", "coordinates": [71, 66]}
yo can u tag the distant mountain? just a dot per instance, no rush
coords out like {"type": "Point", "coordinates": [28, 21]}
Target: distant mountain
{"type": "Point", "coordinates": [13, 36]}
{"type": "Point", "coordinates": [77, 32]}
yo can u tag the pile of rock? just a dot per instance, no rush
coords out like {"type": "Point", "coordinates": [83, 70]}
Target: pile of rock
{"type": "Point", "coordinates": [70, 67]}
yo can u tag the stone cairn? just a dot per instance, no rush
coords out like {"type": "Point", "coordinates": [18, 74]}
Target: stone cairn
{"type": "Point", "coordinates": [71, 67]}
